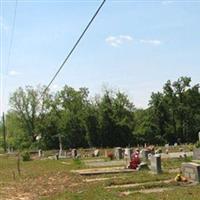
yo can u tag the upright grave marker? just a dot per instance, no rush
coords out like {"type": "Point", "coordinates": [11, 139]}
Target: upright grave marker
{"type": "Point", "coordinates": [118, 153]}
{"type": "Point", "coordinates": [127, 153]}
{"type": "Point", "coordinates": [156, 163]}
{"type": "Point", "coordinates": [40, 153]}
{"type": "Point", "coordinates": [199, 135]}
{"type": "Point", "coordinates": [74, 153]}
{"type": "Point", "coordinates": [196, 150]}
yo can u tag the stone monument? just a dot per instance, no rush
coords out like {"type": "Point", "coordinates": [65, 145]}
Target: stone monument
{"type": "Point", "coordinates": [156, 163]}
{"type": "Point", "coordinates": [40, 153]}
{"type": "Point", "coordinates": [74, 153]}
{"type": "Point", "coordinates": [118, 153]}
{"type": "Point", "coordinates": [127, 153]}
{"type": "Point", "coordinates": [191, 171]}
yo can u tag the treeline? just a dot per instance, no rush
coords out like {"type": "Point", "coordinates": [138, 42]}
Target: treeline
{"type": "Point", "coordinates": [70, 117]}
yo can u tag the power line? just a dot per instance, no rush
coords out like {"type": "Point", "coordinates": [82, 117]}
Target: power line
{"type": "Point", "coordinates": [12, 33]}
{"type": "Point", "coordinates": [10, 50]}
{"type": "Point", "coordinates": [73, 48]}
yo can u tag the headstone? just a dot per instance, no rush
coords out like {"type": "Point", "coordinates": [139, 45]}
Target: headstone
{"type": "Point", "coordinates": [106, 153]}
{"type": "Point", "coordinates": [8, 150]}
{"type": "Point", "coordinates": [96, 152]}
{"type": "Point", "coordinates": [118, 153]}
{"type": "Point", "coordinates": [145, 153]}
{"type": "Point", "coordinates": [167, 151]}
{"type": "Point", "coordinates": [74, 153]}
{"type": "Point", "coordinates": [127, 153]}
{"type": "Point", "coordinates": [199, 135]}
{"type": "Point", "coordinates": [191, 171]}
{"type": "Point", "coordinates": [196, 153]}
{"type": "Point", "coordinates": [39, 153]}
{"type": "Point", "coordinates": [175, 144]}
{"type": "Point", "coordinates": [156, 163]}
{"type": "Point", "coordinates": [167, 145]}
{"type": "Point", "coordinates": [57, 156]}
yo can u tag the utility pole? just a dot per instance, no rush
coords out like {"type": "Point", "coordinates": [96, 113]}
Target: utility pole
{"type": "Point", "coordinates": [4, 134]}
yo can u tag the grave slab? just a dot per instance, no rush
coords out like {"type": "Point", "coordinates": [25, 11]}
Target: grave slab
{"type": "Point", "coordinates": [191, 171]}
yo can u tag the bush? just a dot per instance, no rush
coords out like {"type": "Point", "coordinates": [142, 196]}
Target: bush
{"type": "Point", "coordinates": [26, 156]}
{"type": "Point", "coordinates": [197, 144]}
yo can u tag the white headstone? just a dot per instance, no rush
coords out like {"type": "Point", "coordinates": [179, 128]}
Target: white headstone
{"type": "Point", "coordinates": [175, 144]}
{"type": "Point", "coordinates": [127, 153]}
{"type": "Point", "coordinates": [74, 153]}
{"type": "Point", "coordinates": [96, 152]}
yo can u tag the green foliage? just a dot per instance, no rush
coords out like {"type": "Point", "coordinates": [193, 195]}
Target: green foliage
{"type": "Point", "coordinates": [110, 120]}
{"type": "Point", "coordinates": [26, 156]}
{"type": "Point", "coordinates": [197, 144]}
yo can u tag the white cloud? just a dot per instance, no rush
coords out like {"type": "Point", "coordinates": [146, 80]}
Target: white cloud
{"type": "Point", "coordinates": [152, 42]}
{"type": "Point", "coordinates": [3, 26]}
{"type": "Point", "coordinates": [117, 41]}
{"type": "Point", "coordinates": [13, 73]}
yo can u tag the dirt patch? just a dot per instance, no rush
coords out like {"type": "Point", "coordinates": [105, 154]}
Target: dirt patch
{"type": "Point", "coordinates": [32, 189]}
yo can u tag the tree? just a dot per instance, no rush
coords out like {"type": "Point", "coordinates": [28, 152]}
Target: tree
{"type": "Point", "coordinates": [116, 119]}
{"type": "Point", "coordinates": [28, 105]}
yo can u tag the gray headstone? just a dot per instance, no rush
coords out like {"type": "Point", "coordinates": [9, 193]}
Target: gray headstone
{"type": "Point", "coordinates": [57, 156]}
{"type": "Point", "coordinates": [74, 153]}
{"type": "Point", "coordinates": [39, 153]}
{"type": "Point", "coordinates": [196, 153]}
{"type": "Point", "coordinates": [145, 154]}
{"type": "Point", "coordinates": [156, 163]}
{"type": "Point", "coordinates": [191, 171]}
{"type": "Point", "coordinates": [118, 153]}
{"type": "Point", "coordinates": [127, 153]}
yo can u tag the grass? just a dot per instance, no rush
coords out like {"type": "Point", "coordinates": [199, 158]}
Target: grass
{"type": "Point", "coordinates": [52, 180]}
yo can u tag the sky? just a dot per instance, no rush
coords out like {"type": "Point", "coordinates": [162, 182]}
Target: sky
{"type": "Point", "coordinates": [133, 46]}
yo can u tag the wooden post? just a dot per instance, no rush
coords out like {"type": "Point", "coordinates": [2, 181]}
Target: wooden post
{"type": "Point", "coordinates": [18, 164]}
{"type": "Point", "coordinates": [4, 133]}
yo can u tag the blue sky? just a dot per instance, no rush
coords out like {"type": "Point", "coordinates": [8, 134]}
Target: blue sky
{"type": "Point", "coordinates": [134, 46]}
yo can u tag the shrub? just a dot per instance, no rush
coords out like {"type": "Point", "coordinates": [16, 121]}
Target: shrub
{"type": "Point", "coordinates": [197, 144]}
{"type": "Point", "coordinates": [26, 156]}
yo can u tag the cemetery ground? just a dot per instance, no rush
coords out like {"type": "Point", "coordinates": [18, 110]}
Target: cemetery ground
{"type": "Point", "coordinates": [46, 179]}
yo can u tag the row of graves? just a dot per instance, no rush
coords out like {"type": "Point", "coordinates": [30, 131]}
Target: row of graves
{"type": "Point", "coordinates": [133, 160]}
{"type": "Point", "coordinates": [130, 162]}
{"type": "Point", "coordinates": [100, 162]}
{"type": "Point", "coordinates": [122, 160]}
